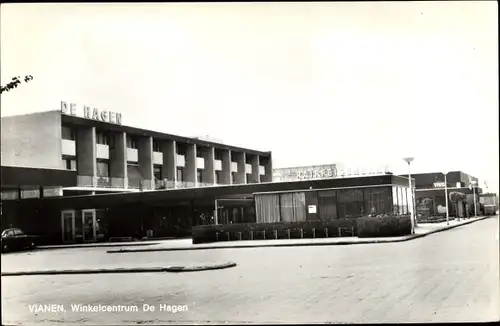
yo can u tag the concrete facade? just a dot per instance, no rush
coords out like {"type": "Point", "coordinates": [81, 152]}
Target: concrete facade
{"type": "Point", "coordinates": [145, 154]}
{"type": "Point", "coordinates": [208, 174]}
{"type": "Point", "coordinates": [32, 140]}
{"type": "Point", "coordinates": [241, 177]}
{"type": "Point", "coordinates": [169, 159]}
{"type": "Point", "coordinates": [61, 141]}
{"type": "Point", "coordinates": [118, 156]}
{"type": "Point", "coordinates": [86, 151]}
{"type": "Point", "coordinates": [225, 175]}
{"type": "Point", "coordinates": [190, 168]}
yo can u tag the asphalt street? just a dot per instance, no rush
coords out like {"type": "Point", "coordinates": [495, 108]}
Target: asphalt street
{"type": "Point", "coordinates": [444, 277]}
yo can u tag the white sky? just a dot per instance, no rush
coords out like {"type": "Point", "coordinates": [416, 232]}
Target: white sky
{"type": "Point", "coordinates": [316, 83]}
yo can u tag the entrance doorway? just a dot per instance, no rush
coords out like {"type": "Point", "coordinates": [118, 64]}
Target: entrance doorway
{"type": "Point", "coordinates": [88, 225]}
{"type": "Point", "coordinates": [68, 226]}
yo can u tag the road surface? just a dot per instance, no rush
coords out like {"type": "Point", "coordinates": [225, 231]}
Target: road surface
{"type": "Point", "coordinates": [444, 277]}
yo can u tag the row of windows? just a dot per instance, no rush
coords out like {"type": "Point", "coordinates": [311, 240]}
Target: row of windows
{"type": "Point", "coordinates": [105, 138]}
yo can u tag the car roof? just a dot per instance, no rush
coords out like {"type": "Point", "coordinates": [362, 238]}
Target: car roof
{"type": "Point", "coordinates": [11, 229]}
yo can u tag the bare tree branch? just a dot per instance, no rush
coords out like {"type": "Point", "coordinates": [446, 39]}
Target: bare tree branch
{"type": "Point", "coordinates": [16, 81]}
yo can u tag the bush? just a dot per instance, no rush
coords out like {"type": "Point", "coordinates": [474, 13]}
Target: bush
{"type": "Point", "coordinates": [230, 232]}
{"type": "Point", "coordinates": [386, 226]}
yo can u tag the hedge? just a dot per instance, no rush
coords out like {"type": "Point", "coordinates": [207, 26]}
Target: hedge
{"type": "Point", "coordinates": [284, 230]}
{"type": "Point", "coordinates": [387, 226]}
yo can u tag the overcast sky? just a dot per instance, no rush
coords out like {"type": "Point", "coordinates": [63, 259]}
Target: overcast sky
{"type": "Point", "coordinates": [316, 83]}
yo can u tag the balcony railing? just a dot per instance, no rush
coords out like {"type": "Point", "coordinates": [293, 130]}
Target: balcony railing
{"type": "Point", "coordinates": [85, 181]}
{"type": "Point", "coordinates": [142, 184]}
{"type": "Point", "coordinates": [185, 184]}
{"type": "Point", "coordinates": [205, 184]}
{"type": "Point", "coordinates": [100, 182]}
{"type": "Point", "coordinates": [104, 182]}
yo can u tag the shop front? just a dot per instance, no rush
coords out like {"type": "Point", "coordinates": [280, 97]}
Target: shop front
{"type": "Point", "coordinates": [333, 203]}
{"type": "Point", "coordinates": [87, 225]}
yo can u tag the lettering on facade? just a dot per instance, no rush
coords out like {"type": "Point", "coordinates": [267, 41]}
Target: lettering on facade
{"type": "Point", "coordinates": [438, 184]}
{"type": "Point", "coordinates": [321, 173]}
{"type": "Point", "coordinates": [92, 113]}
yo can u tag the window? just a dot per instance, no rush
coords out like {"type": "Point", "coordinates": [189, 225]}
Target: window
{"type": "Point", "coordinates": [198, 176]}
{"type": "Point", "coordinates": [68, 133]}
{"type": "Point", "coordinates": [180, 150]}
{"type": "Point", "coordinates": [102, 138]}
{"type": "Point", "coordinates": [70, 165]}
{"type": "Point", "coordinates": [157, 172]}
{"type": "Point", "coordinates": [218, 155]}
{"type": "Point", "coordinates": [156, 146]}
{"type": "Point", "coordinates": [350, 203]}
{"type": "Point", "coordinates": [180, 174]}
{"type": "Point", "coordinates": [18, 232]}
{"type": "Point", "coordinates": [131, 142]}
{"type": "Point", "coordinates": [378, 201]}
{"type": "Point", "coordinates": [327, 202]}
{"type": "Point", "coordinates": [199, 152]}
{"type": "Point", "coordinates": [102, 169]}
{"type": "Point", "coordinates": [217, 177]}
{"type": "Point", "coordinates": [400, 200]}
{"type": "Point", "coordinates": [9, 233]}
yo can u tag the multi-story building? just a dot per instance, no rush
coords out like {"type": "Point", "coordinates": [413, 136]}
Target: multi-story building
{"type": "Point", "coordinates": [111, 157]}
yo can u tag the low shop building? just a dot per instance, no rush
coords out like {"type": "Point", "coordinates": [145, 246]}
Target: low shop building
{"type": "Point", "coordinates": [174, 212]}
{"type": "Point", "coordinates": [430, 197]}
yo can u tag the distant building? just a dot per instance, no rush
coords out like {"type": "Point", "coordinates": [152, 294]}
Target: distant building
{"type": "Point", "coordinates": [430, 193]}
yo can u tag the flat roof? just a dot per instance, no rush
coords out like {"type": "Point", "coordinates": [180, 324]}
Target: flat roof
{"type": "Point", "coordinates": [212, 193]}
{"type": "Point", "coordinates": [158, 135]}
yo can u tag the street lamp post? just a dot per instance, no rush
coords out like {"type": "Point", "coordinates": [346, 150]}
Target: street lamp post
{"type": "Point", "coordinates": [446, 197]}
{"type": "Point", "coordinates": [413, 223]}
{"type": "Point", "coordinates": [473, 182]}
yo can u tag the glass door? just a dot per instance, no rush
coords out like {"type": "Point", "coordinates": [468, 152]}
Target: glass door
{"type": "Point", "coordinates": [88, 225]}
{"type": "Point", "coordinates": [68, 226]}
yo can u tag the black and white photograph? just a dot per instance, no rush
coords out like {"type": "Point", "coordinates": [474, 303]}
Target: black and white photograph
{"type": "Point", "coordinates": [173, 163]}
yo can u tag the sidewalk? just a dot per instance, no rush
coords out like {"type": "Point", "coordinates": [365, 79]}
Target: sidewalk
{"type": "Point", "coordinates": [421, 231]}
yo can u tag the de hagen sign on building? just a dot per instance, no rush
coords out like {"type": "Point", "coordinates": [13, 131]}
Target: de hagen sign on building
{"type": "Point", "coordinates": [92, 113]}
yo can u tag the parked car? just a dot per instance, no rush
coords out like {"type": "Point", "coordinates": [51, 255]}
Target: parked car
{"type": "Point", "coordinates": [14, 239]}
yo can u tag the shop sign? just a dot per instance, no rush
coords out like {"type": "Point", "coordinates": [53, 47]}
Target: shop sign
{"type": "Point", "coordinates": [339, 172]}
{"type": "Point", "coordinates": [92, 113]}
{"type": "Point", "coordinates": [439, 184]}
{"type": "Point", "coordinates": [312, 209]}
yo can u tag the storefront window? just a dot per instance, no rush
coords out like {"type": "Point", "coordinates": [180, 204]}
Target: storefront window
{"type": "Point", "coordinates": [400, 201]}
{"type": "Point", "coordinates": [405, 200]}
{"type": "Point", "coordinates": [377, 201]}
{"type": "Point", "coordinates": [350, 203]}
{"type": "Point", "coordinates": [395, 209]}
{"type": "Point", "coordinates": [327, 202]}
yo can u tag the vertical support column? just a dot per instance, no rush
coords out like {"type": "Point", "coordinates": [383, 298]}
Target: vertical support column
{"type": "Point", "coordinates": [241, 174]}
{"type": "Point", "coordinates": [145, 156]}
{"type": "Point", "coordinates": [226, 168]}
{"type": "Point", "coordinates": [169, 162]}
{"type": "Point", "coordinates": [255, 176]}
{"type": "Point", "coordinates": [208, 154]}
{"type": "Point", "coordinates": [268, 165]}
{"type": "Point", "coordinates": [190, 169]}
{"type": "Point", "coordinates": [86, 153]}
{"type": "Point", "coordinates": [118, 159]}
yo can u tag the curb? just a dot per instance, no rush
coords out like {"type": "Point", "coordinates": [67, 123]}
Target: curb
{"type": "Point", "coordinates": [95, 246]}
{"type": "Point", "coordinates": [170, 269]}
{"type": "Point", "coordinates": [406, 238]}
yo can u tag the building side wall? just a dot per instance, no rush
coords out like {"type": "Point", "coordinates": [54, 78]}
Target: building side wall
{"type": "Point", "coordinates": [32, 140]}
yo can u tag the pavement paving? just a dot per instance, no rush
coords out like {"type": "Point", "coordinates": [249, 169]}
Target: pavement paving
{"type": "Point", "coordinates": [186, 244]}
{"type": "Point", "coordinates": [444, 277]}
